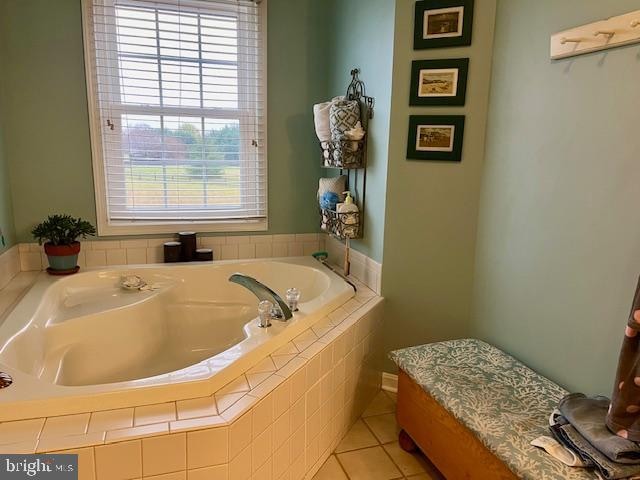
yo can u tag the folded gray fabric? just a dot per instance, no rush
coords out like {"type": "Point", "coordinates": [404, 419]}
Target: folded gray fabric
{"type": "Point", "coordinates": [588, 416]}
{"type": "Point", "coordinates": [571, 439]}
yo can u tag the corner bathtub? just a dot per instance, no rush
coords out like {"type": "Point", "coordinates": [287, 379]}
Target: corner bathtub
{"type": "Point", "coordinates": [81, 343]}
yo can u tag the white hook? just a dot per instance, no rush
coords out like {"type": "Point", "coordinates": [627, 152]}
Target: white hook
{"type": "Point", "coordinates": [635, 23]}
{"type": "Point", "coordinates": [565, 40]}
{"type": "Point", "coordinates": [608, 33]}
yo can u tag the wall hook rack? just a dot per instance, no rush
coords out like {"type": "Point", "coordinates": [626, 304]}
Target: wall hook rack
{"type": "Point", "coordinates": [564, 40]}
{"type": "Point", "coordinates": [604, 34]}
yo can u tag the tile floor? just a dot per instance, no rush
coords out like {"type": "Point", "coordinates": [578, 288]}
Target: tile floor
{"type": "Point", "coordinates": [370, 450]}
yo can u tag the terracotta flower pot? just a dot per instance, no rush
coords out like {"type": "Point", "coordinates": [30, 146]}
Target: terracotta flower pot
{"type": "Point", "coordinates": [63, 259]}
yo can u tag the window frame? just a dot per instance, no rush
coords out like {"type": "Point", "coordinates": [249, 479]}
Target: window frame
{"type": "Point", "coordinates": [108, 227]}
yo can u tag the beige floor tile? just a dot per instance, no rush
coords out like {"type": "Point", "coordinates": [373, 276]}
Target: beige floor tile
{"type": "Point", "coordinates": [427, 476]}
{"type": "Point", "coordinates": [358, 437]}
{"type": "Point", "coordinates": [432, 472]}
{"type": "Point", "coordinates": [384, 427]}
{"type": "Point", "coordinates": [380, 405]}
{"type": "Point", "coordinates": [331, 470]}
{"type": "Point", "coordinates": [369, 464]}
{"type": "Point", "coordinates": [409, 463]}
{"type": "Point", "coordinates": [392, 395]}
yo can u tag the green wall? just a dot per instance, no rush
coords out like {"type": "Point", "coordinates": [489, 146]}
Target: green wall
{"type": "Point", "coordinates": [6, 207]}
{"type": "Point", "coordinates": [362, 36]}
{"type": "Point", "coordinates": [46, 122]}
{"type": "Point", "coordinates": [47, 139]}
{"type": "Point", "coordinates": [559, 240]}
{"type": "Point", "coordinates": [431, 209]}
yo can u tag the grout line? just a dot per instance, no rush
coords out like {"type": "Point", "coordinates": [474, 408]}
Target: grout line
{"type": "Point", "coordinates": [340, 465]}
{"type": "Point", "coordinates": [141, 455]}
{"type": "Point", "coordinates": [380, 444]}
{"type": "Point", "coordinates": [95, 463]}
{"type": "Point", "coordinates": [392, 461]}
{"type": "Point", "coordinates": [370, 430]}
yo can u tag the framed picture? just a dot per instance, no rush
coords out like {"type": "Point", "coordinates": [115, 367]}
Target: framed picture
{"type": "Point", "coordinates": [443, 23]}
{"type": "Point", "coordinates": [435, 137]}
{"type": "Point", "coordinates": [439, 82]}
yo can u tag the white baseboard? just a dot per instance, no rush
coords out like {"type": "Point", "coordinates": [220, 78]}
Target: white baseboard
{"type": "Point", "coordinates": [389, 382]}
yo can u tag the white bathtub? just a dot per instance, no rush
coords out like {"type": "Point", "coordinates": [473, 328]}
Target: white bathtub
{"type": "Point", "coordinates": [82, 343]}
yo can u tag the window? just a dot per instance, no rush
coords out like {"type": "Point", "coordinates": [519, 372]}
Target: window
{"type": "Point", "coordinates": [178, 126]}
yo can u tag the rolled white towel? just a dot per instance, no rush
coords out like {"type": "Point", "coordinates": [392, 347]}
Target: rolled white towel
{"type": "Point", "coordinates": [321, 119]}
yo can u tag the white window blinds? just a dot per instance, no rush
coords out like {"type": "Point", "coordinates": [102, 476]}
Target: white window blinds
{"type": "Point", "coordinates": [178, 91]}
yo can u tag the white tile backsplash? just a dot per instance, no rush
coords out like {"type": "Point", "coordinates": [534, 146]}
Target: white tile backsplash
{"type": "Point", "coordinates": [10, 265]}
{"type": "Point", "coordinates": [100, 253]}
{"type": "Point", "coordinates": [116, 256]}
{"type": "Point", "coordinates": [136, 255]}
{"type": "Point", "coordinates": [363, 268]}
{"type": "Point", "coordinates": [30, 261]}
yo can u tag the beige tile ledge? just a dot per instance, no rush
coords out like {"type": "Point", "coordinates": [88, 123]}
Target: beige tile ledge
{"type": "Point", "coordinates": [13, 292]}
{"type": "Point", "coordinates": [343, 329]}
{"type": "Point", "coordinates": [100, 253]}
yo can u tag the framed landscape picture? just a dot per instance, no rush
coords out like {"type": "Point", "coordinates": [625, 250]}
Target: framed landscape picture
{"type": "Point", "coordinates": [439, 82]}
{"type": "Point", "coordinates": [435, 137]}
{"type": "Point", "coordinates": [443, 23]}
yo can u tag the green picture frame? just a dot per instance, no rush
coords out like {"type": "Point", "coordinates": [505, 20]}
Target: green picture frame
{"type": "Point", "coordinates": [436, 138]}
{"type": "Point", "coordinates": [443, 23]}
{"type": "Point", "coordinates": [439, 82]}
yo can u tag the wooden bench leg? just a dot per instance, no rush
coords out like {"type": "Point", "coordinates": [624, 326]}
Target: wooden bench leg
{"type": "Point", "coordinates": [406, 442]}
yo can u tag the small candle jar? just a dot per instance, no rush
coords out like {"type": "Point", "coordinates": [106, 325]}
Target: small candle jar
{"type": "Point", "coordinates": [188, 241]}
{"type": "Point", "coordinates": [204, 255]}
{"type": "Point", "coordinates": [172, 252]}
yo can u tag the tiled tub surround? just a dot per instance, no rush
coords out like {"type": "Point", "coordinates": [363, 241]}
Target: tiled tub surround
{"type": "Point", "coordinates": [365, 269]}
{"type": "Point", "coordinates": [10, 265]}
{"type": "Point", "coordinates": [280, 420]}
{"type": "Point", "coordinates": [188, 336]}
{"type": "Point", "coordinates": [102, 253]}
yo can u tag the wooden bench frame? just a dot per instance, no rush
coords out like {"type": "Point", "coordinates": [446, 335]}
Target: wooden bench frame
{"type": "Point", "coordinates": [451, 446]}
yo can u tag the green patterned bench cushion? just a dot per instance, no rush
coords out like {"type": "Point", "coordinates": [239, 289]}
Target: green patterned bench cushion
{"type": "Point", "coordinates": [504, 403]}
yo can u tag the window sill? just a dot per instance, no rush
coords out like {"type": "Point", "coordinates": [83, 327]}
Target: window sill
{"type": "Point", "coordinates": [151, 228]}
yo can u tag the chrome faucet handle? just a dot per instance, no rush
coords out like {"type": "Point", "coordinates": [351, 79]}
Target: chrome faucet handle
{"type": "Point", "coordinates": [265, 313]}
{"type": "Point", "coordinates": [293, 297]}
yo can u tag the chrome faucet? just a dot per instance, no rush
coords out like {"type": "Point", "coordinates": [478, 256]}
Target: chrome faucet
{"type": "Point", "coordinates": [280, 310]}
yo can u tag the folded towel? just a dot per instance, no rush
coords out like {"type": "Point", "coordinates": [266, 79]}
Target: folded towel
{"type": "Point", "coordinates": [569, 437]}
{"type": "Point", "coordinates": [587, 416]}
{"type": "Point", "coordinates": [343, 116]}
{"type": "Point", "coordinates": [321, 119]}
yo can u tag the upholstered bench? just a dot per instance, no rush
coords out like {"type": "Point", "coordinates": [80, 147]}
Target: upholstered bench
{"type": "Point", "coordinates": [473, 409]}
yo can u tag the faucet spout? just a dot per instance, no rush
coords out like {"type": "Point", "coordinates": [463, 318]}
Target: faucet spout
{"type": "Point", "coordinates": [263, 292]}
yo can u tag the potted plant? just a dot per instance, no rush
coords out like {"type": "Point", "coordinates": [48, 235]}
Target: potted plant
{"type": "Point", "coordinates": [60, 234]}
